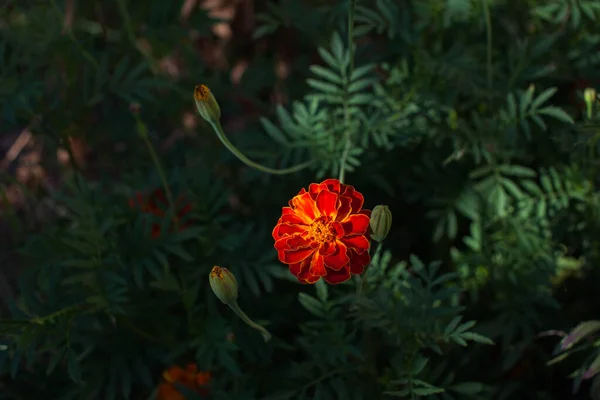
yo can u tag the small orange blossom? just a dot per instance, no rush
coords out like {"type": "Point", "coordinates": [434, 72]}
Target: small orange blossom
{"type": "Point", "coordinates": [188, 377]}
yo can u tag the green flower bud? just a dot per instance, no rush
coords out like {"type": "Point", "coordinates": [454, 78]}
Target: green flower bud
{"type": "Point", "coordinates": [207, 105]}
{"type": "Point", "coordinates": [224, 285]}
{"type": "Point", "coordinates": [381, 222]}
{"type": "Point", "coordinates": [589, 95]}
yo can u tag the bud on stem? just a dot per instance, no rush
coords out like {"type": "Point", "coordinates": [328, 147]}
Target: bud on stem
{"type": "Point", "coordinates": [225, 287]}
{"type": "Point", "coordinates": [381, 222]}
{"type": "Point", "coordinates": [589, 95]}
{"type": "Point", "coordinates": [209, 110]}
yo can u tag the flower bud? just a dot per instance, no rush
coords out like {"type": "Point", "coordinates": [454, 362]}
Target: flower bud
{"type": "Point", "coordinates": [224, 285]}
{"type": "Point", "coordinates": [207, 105]}
{"type": "Point", "coordinates": [589, 95]}
{"type": "Point", "coordinates": [381, 222]}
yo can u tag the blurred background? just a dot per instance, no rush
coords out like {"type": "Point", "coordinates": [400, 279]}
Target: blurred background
{"type": "Point", "coordinates": [475, 121]}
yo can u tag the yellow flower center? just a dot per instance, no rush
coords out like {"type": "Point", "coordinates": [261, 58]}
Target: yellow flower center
{"type": "Point", "coordinates": [321, 231]}
{"type": "Point", "coordinates": [217, 272]}
{"type": "Point", "coordinates": [201, 92]}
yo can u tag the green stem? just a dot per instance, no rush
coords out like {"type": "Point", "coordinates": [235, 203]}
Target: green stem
{"type": "Point", "coordinates": [131, 36]}
{"type": "Point", "coordinates": [82, 50]}
{"type": "Point", "coordinates": [221, 135]}
{"type": "Point", "coordinates": [143, 132]}
{"type": "Point", "coordinates": [363, 281]}
{"type": "Point", "coordinates": [488, 29]}
{"type": "Point", "coordinates": [236, 309]}
{"type": "Point", "coordinates": [347, 144]}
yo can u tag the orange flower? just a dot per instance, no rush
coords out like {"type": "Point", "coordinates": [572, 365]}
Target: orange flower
{"type": "Point", "coordinates": [323, 233]}
{"type": "Point", "coordinates": [156, 204]}
{"type": "Point", "coordinates": [188, 377]}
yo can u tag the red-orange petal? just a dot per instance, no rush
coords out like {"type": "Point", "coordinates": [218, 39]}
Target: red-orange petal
{"type": "Point", "coordinates": [302, 191]}
{"type": "Point", "coordinates": [173, 373]}
{"type": "Point", "coordinates": [356, 224]}
{"type": "Point", "coordinates": [186, 209]}
{"type": "Point", "coordinates": [317, 265]}
{"type": "Point", "coordinates": [166, 391]}
{"type": "Point", "coordinates": [203, 378]}
{"type": "Point", "coordinates": [294, 256]}
{"type": "Point", "coordinates": [357, 198]}
{"type": "Point", "coordinates": [358, 243]}
{"type": "Point", "coordinates": [336, 277]}
{"type": "Point", "coordinates": [155, 231]}
{"type": "Point", "coordinates": [292, 249]}
{"type": "Point", "coordinates": [314, 189]}
{"type": "Point", "coordinates": [338, 230]}
{"type": "Point", "coordinates": [344, 209]}
{"type": "Point", "coordinates": [289, 215]}
{"type": "Point", "coordinates": [327, 203]}
{"type": "Point", "coordinates": [286, 229]}
{"type": "Point", "coordinates": [338, 259]}
{"type": "Point", "coordinates": [296, 268]}
{"type": "Point", "coordinates": [305, 208]}
{"type": "Point", "coordinates": [297, 242]}
{"type": "Point", "coordinates": [333, 185]}
{"type": "Point", "coordinates": [306, 277]}
{"type": "Point", "coordinates": [358, 262]}
{"type": "Point", "coordinates": [327, 248]}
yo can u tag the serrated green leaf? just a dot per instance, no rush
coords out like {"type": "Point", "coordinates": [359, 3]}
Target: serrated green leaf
{"type": "Point", "coordinates": [55, 359]}
{"type": "Point", "coordinates": [556, 113]}
{"type": "Point", "coordinates": [73, 366]}
{"type": "Point", "coordinates": [311, 304]}
{"type": "Point", "coordinates": [327, 74]}
{"type": "Point", "coordinates": [475, 337]}
{"type": "Point", "coordinates": [543, 97]}
{"type": "Point", "coordinates": [322, 290]}
{"type": "Point", "coordinates": [427, 391]}
{"type": "Point", "coordinates": [467, 387]}
{"type": "Point", "coordinates": [517, 170]}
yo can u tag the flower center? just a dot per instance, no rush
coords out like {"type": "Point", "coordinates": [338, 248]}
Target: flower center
{"type": "Point", "coordinates": [201, 92]}
{"type": "Point", "coordinates": [321, 231]}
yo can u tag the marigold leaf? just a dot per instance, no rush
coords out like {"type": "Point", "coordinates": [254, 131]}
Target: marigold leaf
{"type": "Point", "coordinates": [311, 304]}
{"type": "Point", "coordinates": [73, 366]}
{"type": "Point", "coordinates": [467, 387]}
{"type": "Point", "coordinates": [427, 391]}
{"type": "Point", "coordinates": [556, 113]}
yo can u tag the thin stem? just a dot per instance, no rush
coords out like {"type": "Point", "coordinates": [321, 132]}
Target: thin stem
{"type": "Point", "coordinates": [347, 144]}
{"type": "Point", "coordinates": [320, 379]}
{"type": "Point", "coordinates": [488, 29]}
{"type": "Point", "coordinates": [221, 135]}
{"type": "Point", "coordinates": [83, 51]}
{"type": "Point", "coordinates": [236, 309]}
{"type": "Point", "coordinates": [363, 281]}
{"type": "Point", "coordinates": [143, 132]}
{"type": "Point", "coordinates": [129, 29]}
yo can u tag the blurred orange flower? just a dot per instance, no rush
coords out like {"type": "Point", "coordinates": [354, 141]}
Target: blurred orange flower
{"type": "Point", "coordinates": [324, 233]}
{"type": "Point", "coordinates": [156, 204]}
{"type": "Point", "coordinates": [188, 377]}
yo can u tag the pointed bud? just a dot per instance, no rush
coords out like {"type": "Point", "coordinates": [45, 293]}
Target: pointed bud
{"type": "Point", "coordinates": [224, 285]}
{"type": "Point", "coordinates": [207, 105]}
{"type": "Point", "coordinates": [381, 222]}
{"type": "Point", "coordinates": [589, 95]}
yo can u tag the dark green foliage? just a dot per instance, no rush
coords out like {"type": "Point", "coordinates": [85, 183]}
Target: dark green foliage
{"type": "Point", "coordinates": [465, 117]}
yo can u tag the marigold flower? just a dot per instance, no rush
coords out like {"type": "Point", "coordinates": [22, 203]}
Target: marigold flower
{"type": "Point", "coordinates": [324, 233]}
{"type": "Point", "coordinates": [189, 377]}
{"type": "Point", "coordinates": [156, 204]}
